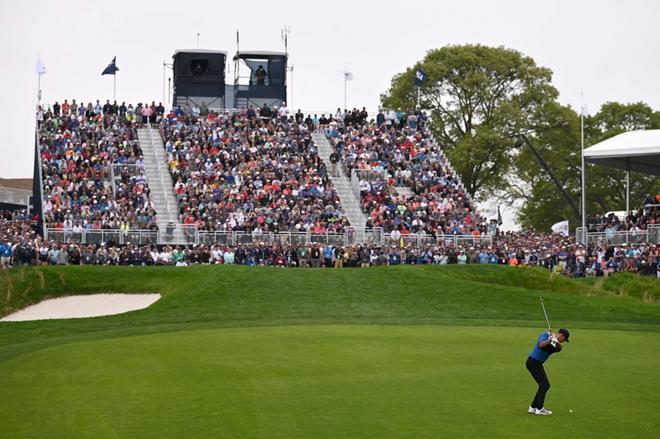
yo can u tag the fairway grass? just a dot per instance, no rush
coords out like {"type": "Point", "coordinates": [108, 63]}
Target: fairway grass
{"type": "Point", "coordinates": [332, 381]}
{"type": "Point", "coordinates": [394, 352]}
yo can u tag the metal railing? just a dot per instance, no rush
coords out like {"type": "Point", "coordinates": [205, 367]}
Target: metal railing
{"type": "Point", "coordinates": [189, 235]}
{"type": "Point", "coordinates": [15, 196]}
{"type": "Point", "coordinates": [354, 195]}
{"type": "Point", "coordinates": [121, 237]}
{"type": "Point", "coordinates": [369, 174]}
{"type": "Point", "coordinates": [178, 234]}
{"type": "Point", "coordinates": [421, 240]}
{"type": "Point", "coordinates": [651, 235]}
{"type": "Point", "coordinates": [117, 171]}
{"type": "Point", "coordinates": [282, 238]}
{"type": "Point", "coordinates": [164, 183]}
{"type": "Point", "coordinates": [132, 170]}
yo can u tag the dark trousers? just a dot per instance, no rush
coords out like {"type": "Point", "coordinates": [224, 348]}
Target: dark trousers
{"type": "Point", "coordinates": [535, 367]}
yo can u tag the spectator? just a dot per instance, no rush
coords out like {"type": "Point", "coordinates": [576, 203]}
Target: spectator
{"type": "Point", "coordinates": [260, 74]}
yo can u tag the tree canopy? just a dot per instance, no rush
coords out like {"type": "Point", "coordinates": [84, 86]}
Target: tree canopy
{"type": "Point", "coordinates": [480, 99]}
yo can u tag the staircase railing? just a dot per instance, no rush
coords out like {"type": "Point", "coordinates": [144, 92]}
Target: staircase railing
{"type": "Point", "coordinates": [162, 175]}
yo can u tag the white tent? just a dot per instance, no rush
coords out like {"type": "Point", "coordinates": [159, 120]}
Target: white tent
{"type": "Point", "coordinates": [632, 151]}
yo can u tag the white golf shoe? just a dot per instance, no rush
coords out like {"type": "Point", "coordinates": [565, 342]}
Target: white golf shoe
{"type": "Point", "coordinates": [531, 410]}
{"type": "Point", "coordinates": [543, 412]}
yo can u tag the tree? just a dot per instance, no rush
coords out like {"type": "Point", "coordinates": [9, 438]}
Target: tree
{"type": "Point", "coordinates": [558, 139]}
{"type": "Point", "coordinates": [481, 99]}
{"type": "Point", "coordinates": [556, 136]}
{"type": "Point", "coordinates": [478, 98]}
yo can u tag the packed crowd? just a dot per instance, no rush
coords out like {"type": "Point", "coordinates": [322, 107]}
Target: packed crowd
{"type": "Point", "coordinates": [396, 150]}
{"type": "Point", "coordinates": [636, 221]}
{"type": "Point", "coordinates": [256, 171]}
{"type": "Point", "coordinates": [20, 245]}
{"type": "Point", "coordinates": [79, 144]}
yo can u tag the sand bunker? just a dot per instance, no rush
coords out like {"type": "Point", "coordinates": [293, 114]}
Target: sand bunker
{"type": "Point", "coordinates": [75, 307]}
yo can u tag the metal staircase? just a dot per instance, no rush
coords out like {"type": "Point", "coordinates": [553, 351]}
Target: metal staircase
{"type": "Point", "coordinates": [350, 200]}
{"type": "Point", "coordinates": [160, 184]}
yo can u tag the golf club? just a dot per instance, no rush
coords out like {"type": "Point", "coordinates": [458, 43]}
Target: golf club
{"type": "Point", "coordinates": [545, 314]}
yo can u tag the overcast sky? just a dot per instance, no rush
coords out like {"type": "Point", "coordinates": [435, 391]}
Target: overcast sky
{"type": "Point", "coordinates": [606, 49]}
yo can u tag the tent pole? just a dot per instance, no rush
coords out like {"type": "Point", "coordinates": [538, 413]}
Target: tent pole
{"type": "Point", "coordinates": [627, 187]}
{"type": "Point", "coordinates": [584, 187]}
{"type": "Point", "coordinates": [627, 193]}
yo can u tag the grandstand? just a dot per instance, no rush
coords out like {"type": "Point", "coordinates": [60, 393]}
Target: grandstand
{"type": "Point", "coordinates": [259, 186]}
{"type": "Point", "coordinates": [201, 183]}
{"type": "Point", "coordinates": [405, 182]}
{"type": "Point", "coordinates": [264, 187]}
{"type": "Point", "coordinates": [236, 176]}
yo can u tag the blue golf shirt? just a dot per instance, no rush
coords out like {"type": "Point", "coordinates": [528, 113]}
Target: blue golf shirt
{"type": "Point", "coordinates": [538, 353]}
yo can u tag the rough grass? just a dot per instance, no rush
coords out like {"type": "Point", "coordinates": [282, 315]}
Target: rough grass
{"type": "Point", "coordinates": [627, 284]}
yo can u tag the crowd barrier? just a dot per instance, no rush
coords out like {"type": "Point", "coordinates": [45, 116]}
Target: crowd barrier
{"type": "Point", "coordinates": [651, 235]}
{"type": "Point", "coordinates": [189, 235]}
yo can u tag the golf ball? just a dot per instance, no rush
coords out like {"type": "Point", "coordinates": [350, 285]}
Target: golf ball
{"type": "Point", "coordinates": [571, 410]}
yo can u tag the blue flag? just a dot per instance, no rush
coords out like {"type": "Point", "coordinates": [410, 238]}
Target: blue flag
{"type": "Point", "coordinates": [420, 76]}
{"type": "Point", "coordinates": [112, 68]}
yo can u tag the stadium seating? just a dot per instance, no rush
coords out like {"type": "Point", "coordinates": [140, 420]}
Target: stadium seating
{"type": "Point", "coordinates": [91, 171]}
{"type": "Point", "coordinates": [250, 172]}
{"type": "Point", "coordinates": [240, 172]}
{"type": "Point", "coordinates": [397, 150]}
{"type": "Point", "coordinates": [635, 221]}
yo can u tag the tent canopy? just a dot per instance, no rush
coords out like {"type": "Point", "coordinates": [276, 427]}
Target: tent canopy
{"type": "Point", "coordinates": [634, 151]}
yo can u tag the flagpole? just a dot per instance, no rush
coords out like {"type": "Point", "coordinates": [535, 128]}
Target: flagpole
{"type": "Point", "coordinates": [345, 82]}
{"type": "Point", "coordinates": [420, 76]}
{"type": "Point", "coordinates": [164, 83]}
{"type": "Point", "coordinates": [114, 86]}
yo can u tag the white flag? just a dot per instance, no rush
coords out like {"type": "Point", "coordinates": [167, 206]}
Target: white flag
{"type": "Point", "coordinates": [348, 76]}
{"type": "Point", "coordinates": [41, 68]}
{"type": "Point", "coordinates": [561, 227]}
{"type": "Point", "coordinates": [584, 111]}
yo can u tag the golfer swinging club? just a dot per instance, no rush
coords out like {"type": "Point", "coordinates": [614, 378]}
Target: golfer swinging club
{"type": "Point", "coordinates": [547, 344]}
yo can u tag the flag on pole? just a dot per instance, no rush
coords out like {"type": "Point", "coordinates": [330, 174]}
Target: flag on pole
{"type": "Point", "coordinates": [420, 76]}
{"type": "Point", "coordinates": [584, 111]}
{"type": "Point", "coordinates": [112, 68]}
{"type": "Point", "coordinates": [41, 67]}
{"type": "Point", "coordinates": [561, 227]}
{"type": "Point", "coordinates": [348, 76]}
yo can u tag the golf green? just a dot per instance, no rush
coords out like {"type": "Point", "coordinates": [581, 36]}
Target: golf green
{"type": "Point", "coordinates": [332, 381]}
{"type": "Point", "coordinates": [415, 352]}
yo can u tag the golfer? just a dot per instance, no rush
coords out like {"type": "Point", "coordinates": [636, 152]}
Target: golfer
{"type": "Point", "coordinates": [547, 344]}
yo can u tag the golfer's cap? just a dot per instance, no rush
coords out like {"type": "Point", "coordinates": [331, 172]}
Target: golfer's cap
{"type": "Point", "coordinates": [565, 332]}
